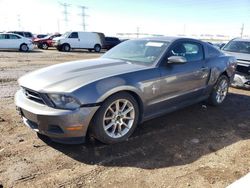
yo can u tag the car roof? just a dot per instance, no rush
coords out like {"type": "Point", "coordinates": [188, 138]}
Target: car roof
{"type": "Point", "coordinates": [16, 34]}
{"type": "Point", "coordinates": [170, 39]}
{"type": "Point", "coordinates": [242, 39]}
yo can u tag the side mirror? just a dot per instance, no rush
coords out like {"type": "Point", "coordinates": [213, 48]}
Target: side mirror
{"type": "Point", "coordinates": [177, 60]}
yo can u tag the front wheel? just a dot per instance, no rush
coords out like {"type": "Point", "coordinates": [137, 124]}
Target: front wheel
{"type": "Point", "coordinates": [220, 91]}
{"type": "Point", "coordinates": [45, 46]}
{"type": "Point", "coordinates": [116, 119]}
{"type": "Point", "coordinates": [66, 47]}
{"type": "Point", "coordinates": [24, 48]}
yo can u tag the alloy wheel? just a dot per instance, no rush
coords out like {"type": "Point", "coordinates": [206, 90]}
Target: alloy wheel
{"type": "Point", "coordinates": [222, 90]}
{"type": "Point", "coordinates": [119, 118]}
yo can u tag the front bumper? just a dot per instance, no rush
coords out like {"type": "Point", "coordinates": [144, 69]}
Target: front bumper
{"type": "Point", "coordinates": [55, 44]}
{"type": "Point", "coordinates": [241, 80]}
{"type": "Point", "coordinates": [65, 126]}
{"type": "Point", "coordinates": [31, 47]}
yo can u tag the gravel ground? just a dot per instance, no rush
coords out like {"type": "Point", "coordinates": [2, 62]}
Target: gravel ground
{"type": "Point", "coordinates": [199, 146]}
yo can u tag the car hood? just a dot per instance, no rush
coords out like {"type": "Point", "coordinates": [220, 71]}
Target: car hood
{"type": "Point", "coordinates": [40, 40]}
{"type": "Point", "coordinates": [67, 77]}
{"type": "Point", "coordinates": [241, 57]}
{"type": "Point", "coordinates": [58, 38]}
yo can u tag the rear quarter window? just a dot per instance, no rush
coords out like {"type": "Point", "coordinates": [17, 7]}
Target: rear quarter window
{"type": "Point", "coordinates": [213, 52]}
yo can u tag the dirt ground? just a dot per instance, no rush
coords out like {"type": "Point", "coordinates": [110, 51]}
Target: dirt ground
{"type": "Point", "coordinates": [199, 146]}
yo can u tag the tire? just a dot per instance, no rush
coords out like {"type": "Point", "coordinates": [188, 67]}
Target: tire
{"type": "Point", "coordinates": [219, 92]}
{"type": "Point", "coordinates": [66, 47]}
{"type": "Point", "coordinates": [39, 46]}
{"type": "Point", "coordinates": [116, 128]}
{"type": "Point", "coordinates": [24, 48]}
{"type": "Point", "coordinates": [44, 46]}
{"type": "Point", "coordinates": [97, 48]}
{"type": "Point", "coordinates": [59, 48]}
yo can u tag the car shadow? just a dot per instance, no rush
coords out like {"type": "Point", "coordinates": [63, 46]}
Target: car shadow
{"type": "Point", "coordinates": [177, 138]}
{"type": "Point", "coordinates": [33, 51]}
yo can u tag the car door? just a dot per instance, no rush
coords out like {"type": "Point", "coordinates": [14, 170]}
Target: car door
{"type": "Point", "coordinates": [2, 41]}
{"type": "Point", "coordinates": [186, 82]}
{"type": "Point", "coordinates": [74, 40]}
{"type": "Point", "coordinates": [86, 40]}
{"type": "Point", "coordinates": [8, 43]}
{"type": "Point", "coordinates": [14, 41]}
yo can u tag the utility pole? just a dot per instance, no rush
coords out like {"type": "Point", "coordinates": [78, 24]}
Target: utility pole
{"type": "Point", "coordinates": [65, 12]}
{"type": "Point", "coordinates": [83, 14]}
{"type": "Point", "coordinates": [58, 25]}
{"type": "Point", "coordinates": [242, 31]}
{"type": "Point", "coordinates": [137, 32]}
{"type": "Point", "coordinates": [184, 30]}
{"type": "Point", "coordinates": [19, 21]}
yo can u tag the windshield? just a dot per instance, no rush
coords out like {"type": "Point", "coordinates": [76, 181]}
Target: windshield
{"type": "Point", "coordinates": [138, 51]}
{"type": "Point", "coordinates": [238, 46]}
{"type": "Point", "coordinates": [46, 37]}
{"type": "Point", "coordinates": [65, 34]}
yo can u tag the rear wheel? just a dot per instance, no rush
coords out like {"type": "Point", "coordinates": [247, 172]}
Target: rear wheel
{"type": "Point", "coordinates": [66, 47]}
{"type": "Point", "coordinates": [24, 48]}
{"type": "Point", "coordinates": [220, 91]}
{"type": "Point", "coordinates": [97, 48]}
{"type": "Point", "coordinates": [116, 119]}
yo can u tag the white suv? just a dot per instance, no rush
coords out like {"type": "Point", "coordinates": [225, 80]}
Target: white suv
{"type": "Point", "coordinates": [14, 41]}
{"type": "Point", "coordinates": [78, 40]}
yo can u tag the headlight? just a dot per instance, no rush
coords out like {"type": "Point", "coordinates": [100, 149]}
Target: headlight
{"type": "Point", "coordinates": [64, 101]}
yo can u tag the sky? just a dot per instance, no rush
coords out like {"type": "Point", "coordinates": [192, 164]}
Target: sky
{"type": "Point", "coordinates": [164, 17]}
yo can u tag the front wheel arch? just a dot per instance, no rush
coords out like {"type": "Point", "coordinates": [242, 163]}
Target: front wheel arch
{"type": "Point", "coordinates": [132, 91]}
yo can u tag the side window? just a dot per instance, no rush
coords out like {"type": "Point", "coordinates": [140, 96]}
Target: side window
{"type": "Point", "coordinates": [190, 50]}
{"type": "Point", "coordinates": [73, 35]}
{"type": "Point", "coordinates": [2, 36]}
{"type": "Point", "coordinates": [13, 37]}
{"type": "Point", "coordinates": [7, 36]}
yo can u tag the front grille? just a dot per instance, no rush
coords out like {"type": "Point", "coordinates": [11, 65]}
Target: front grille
{"type": "Point", "coordinates": [33, 95]}
{"type": "Point", "coordinates": [243, 69]}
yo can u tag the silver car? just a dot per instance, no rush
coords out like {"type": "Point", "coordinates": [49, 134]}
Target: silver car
{"type": "Point", "coordinates": [135, 81]}
{"type": "Point", "coordinates": [240, 48]}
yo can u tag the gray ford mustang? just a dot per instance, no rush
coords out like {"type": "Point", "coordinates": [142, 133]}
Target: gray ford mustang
{"type": "Point", "coordinates": [135, 81]}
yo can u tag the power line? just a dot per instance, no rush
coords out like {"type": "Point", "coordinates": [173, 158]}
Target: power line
{"type": "Point", "coordinates": [83, 14]}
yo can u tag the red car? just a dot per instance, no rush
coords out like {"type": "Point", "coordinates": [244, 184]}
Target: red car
{"type": "Point", "coordinates": [46, 42]}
